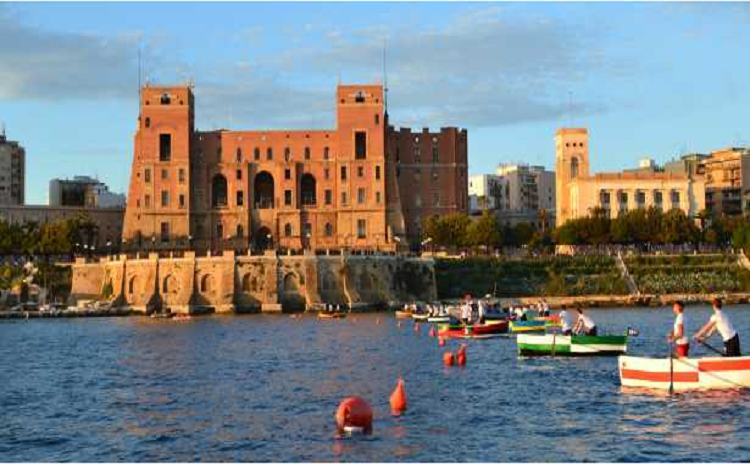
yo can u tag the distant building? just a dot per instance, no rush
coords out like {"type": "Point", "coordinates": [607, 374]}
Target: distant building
{"type": "Point", "coordinates": [727, 174]}
{"type": "Point", "coordinates": [578, 192]}
{"type": "Point", "coordinates": [516, 193]}
{"type": "Point", "coordinates": [12, 171]}
{"type": "Point", "coordinates": [83, 191]}
{"type": "Point", "coordinates": [690, 165]}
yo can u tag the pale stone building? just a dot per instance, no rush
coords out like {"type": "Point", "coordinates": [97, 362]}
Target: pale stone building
{"type": "Point", "coordinates": [578, 191]}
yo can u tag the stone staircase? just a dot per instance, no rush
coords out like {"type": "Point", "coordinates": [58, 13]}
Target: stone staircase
{"type": "Point", "coordinates": [632, 287]}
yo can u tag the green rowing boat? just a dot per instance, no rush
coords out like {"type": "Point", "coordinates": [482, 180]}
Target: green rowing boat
{"type": "Point", "coordinates": [571, 345]}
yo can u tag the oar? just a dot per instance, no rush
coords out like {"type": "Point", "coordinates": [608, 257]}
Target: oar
{"type": "Point", "coordinates": [671, 369]}
{"type": "Point", "coordinates": [709, 346]}
{"type": "Point", "coordinates": [554, 334]}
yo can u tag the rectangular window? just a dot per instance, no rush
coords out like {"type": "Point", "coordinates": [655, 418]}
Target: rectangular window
{"type": "Point", "coordinates": [658, 198]}
{"type": "Point", "coordinates": [147, 176]}
{"type": "Point", "coordinates": [288, 197]}
{"type": "Point", "coordinates": [377, 172]}
{"type": "Point", "coordinates": [182, 201]}
{"type": "Point", "coordinates": [164, 199]}
{"type": "Point", "coordinates": [239, 174]}
{"type": "Point", "coordinates": [147, 201]}
{"type": "Point", "coordinates": [435, 154]}
{"type": "Point", "coordinates": [360, 195]}
{"type": "Point", "coordinates": [164, 232]}
{"type": "Point", "coordinates": [360, 145]}
{"type": "Point", "coordinates": [377, 197]}
{"type": "Point", "coordinates": [344, 199]}
{"type": "Point", "coordinates": [360, 171]}
{"type": "Point", "coordinates": [343, 172]}
{"type": "Point", "coordinates": [326, 173]}
{"type": "Point", "coordinates": [269, 154]}
{"type": "Point", "coordinates": [287, 174]}
{"type": "Point", "coordinates": [165, 147]}
{"type": "Point", "coordinates": [326, 153]}
{"type": "Point", "coordinates": [361, 228]}
{"type": "Point", "coordinates": [329, 197]}
{"type": "Point", "coordinates": [181, 175]}
{"type": "Point", "coordinates": [240, 198]}
{"type": "Point", "coordinates": [675, 199]}
{"type": "Point", "coordinates": [377, 119]}
{"type": "Point", "coordinates": [164, 174]}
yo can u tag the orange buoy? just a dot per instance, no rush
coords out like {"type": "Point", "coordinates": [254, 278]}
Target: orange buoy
{"type": "Point", "coordinates": [441, 341]}
{"type": "Point", "coordinates": [398, 398]}
{"type": "Point", "coordinates": [448, 359]}
{"type": "Point", "coordinates": [354, 415]}
{"type": "Point", "coordinates": [461, 355]}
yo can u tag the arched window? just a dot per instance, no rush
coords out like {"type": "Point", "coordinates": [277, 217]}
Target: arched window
{"type": "Point", "coordinates": [206, 284]}
{"type": "Point", "coordinates": [307, 153]}
{"type": "Point", "coordinates": [246, 283]}
{"type": "Point", "coordinates": [219, 191]}
{"type": "Point", "coordinates": [269, 154]}
{"type": "Point", "coordinates": [287, 154]}
{"type": "Point", "coordinates": [574, 167]}
{"type": "Point", "coordinates": [238, 155]}
{"type": "Point", "coordinates": [308, 190]}
{"type": "Point", "coordinates": [240, 231]}
{"type": "Point", "coordinates": [329, 230]}
{"type": "Point", "coordinates": [131, 285]}
{"type": "Point", "coordinates": [148, 122]}
{"type": "Point", "coordinates": [256, 154]}
{"type": "Point", "coordinates": [263, 190]}
{"type": "Point", "coordinates": [288, 230]}
{"type": "Point", "coordinates": [326, 153]}
{"type": "Point", "coordinates": [307, 230]}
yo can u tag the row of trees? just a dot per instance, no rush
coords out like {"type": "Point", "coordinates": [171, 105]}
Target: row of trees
{"type": "Point", "coordinates": [51, 239]}
{"type": "Point", "coordinates": [459, 231]}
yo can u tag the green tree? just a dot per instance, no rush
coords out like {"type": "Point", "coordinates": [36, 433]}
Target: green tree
{"type": "Point", "coordinates": [484, 231]}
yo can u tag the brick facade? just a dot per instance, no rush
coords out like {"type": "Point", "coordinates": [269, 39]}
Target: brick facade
{"type": "Point", "coordinates": [302, 189]}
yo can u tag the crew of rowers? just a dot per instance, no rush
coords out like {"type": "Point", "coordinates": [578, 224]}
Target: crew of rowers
{"type": "Point", "coordinates": [718, 322]}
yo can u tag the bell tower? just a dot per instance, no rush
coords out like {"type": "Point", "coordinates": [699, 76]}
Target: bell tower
{"type": "Point", "coordinates": [571, 163]}
{"type": "Point", "coordinates": [157, 213]}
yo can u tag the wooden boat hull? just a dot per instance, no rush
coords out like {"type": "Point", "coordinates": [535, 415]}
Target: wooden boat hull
{"type": "Point", "coordinates": [403, 315]}
{"type": "Point", "coordinates": [420, 317]}
{"type": "Point", "coordinates": [439, 319]}
{"type": "Point", "coordinates": [686, 374]}
{"type": "Point", "coordinates": [527, 326]}
{"type": "Point", "coordinates": [571, 345]}
{"type": "Point", "coordinates": [477, 331]}
{"type": "Point", "coordinates": [331, 315]}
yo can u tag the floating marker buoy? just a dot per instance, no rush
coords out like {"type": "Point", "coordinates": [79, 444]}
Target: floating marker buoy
{"type": "Point", "coordinates": [461, 355]}
{"type": "Point", "coordinates": [448, 359]}
{"type": "Point", "coordinates": [416, 327]}
{"type": "Point", "coordinates": [354, 415]}
{"type": "Point", "coordinates": [398, 399]}
{"type": "Point", "coordinates": [398, 324]}
{"type": "Point", "coordinates": [377, 321]}
{"type": "Point", "coordinates": [441, 341]}
{"type": "Point", "coordinates": [433, 332]}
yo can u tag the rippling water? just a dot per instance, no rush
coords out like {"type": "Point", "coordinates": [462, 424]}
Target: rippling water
{"type": "Point", "coordinates": [262, 388]}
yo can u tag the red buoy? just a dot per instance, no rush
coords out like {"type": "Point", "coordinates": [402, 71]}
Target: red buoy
{"type": "Point", "coordinates": [398, 399]}
{"type": "Point", "coordinates": [441, 341]}
{"type": "Point", "coordinates": [433, 332]}
{"type": "Point", "coordinates": [448, 359]}
{"type": "Point", "coordinates": [354, 415]}
{"type": "Point", "coordinates": [461, 355]}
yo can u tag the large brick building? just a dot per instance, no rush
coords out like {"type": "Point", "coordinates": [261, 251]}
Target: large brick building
{"type": "Point", "coordinates": [361, 185]}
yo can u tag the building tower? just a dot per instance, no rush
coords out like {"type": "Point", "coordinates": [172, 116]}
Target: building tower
{"type": "Point", "coordinates": [571, 163]}
{"type": "Point", "coordinates": [159, 194]}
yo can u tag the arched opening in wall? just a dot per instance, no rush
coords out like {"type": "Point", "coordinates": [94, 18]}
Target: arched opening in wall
{"type": "Point", "coordinates": [288, 230]}
{"type": "Point", "coordinates": [365, 282]}
{"type": "Point", "coordinates": [246, 283]}
{"type": "Point", "coordinates": [329, 229]}
{"type": "Point", "coordinates": [263, 239]}
{"type": "Point", "coordinates": [132, 285]}
{"type": "Point", "coordinates": [263, 190]}
{"type": "Point", "coordinates": [219, 191]}
{"type": "Point", "coordinates": [291, 296]}
{"type": "Point", "coordinates": [207, 284]}
{"type": "Point", "coordinates": [240, 231]}
{"type": "Point", "coordinates": [169, 285]}
{"type": "Point", "coordinates": [307, 185]}
{"type": "Point", "coordinates": [574, 167]}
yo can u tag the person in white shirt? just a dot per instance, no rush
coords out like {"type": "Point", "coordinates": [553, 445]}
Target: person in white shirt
{"type": "Point", "coordinates": [566, 322]}
{"type": "Point", "coordinates": [584, 324]}
{"type": "Point", "coordinates": [677, 334]}
{"type": "Point", "coordinates": [482, 310]}
{"type": "Point", "coordinates": [720, 322]}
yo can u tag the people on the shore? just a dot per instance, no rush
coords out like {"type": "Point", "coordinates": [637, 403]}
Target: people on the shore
{"type": "Point", "coordinates": [677, 334]}
{"type": "Point", "coordinates": [566, 322]}
{"type": "Point", "coordinates": [585, 324]}
{"type": "Point", "coordinates": [720, 322]}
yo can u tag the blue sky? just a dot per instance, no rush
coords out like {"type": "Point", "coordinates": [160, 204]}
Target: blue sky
{"type": "Point", "coordinates": [657, 79]}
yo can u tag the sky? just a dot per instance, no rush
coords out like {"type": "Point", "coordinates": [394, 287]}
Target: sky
{"type": "Point", "coordinates": [646, 79]}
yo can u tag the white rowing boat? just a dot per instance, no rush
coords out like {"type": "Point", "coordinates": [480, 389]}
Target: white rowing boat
{"type": "Point", "coordinates": [685, 373]}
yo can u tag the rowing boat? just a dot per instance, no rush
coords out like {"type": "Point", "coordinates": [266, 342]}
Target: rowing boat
{"type": "Point", "coordinates": [403, 314]}
{"type": "Point", "coordinates": [420, 317]}
{"type": "Point", "coordinates": [476, 331]}
{"type": "Point", "coordinates": [331, 315]}
{"type": "Point", "coordinates": [551, 321]}
{"type": "Point", "coordinates": [439, 319]}
{"type": "Point", "coordinates": [571, 345]}
{"type": "Point", "coordinates": [527, 326]}
{"type": "Point", "coordinates": [686, 373]}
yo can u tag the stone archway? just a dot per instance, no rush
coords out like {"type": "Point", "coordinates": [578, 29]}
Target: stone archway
{"type": "Point", "coordinates": [262, 239]}
{"type": "Point", "coordinates": [291, 293]}
{"type": "Point", "coordinates": [264, 190]}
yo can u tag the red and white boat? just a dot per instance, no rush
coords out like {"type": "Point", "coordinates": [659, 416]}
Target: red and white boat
{"type": "Point", "coordinates": [685, 373]}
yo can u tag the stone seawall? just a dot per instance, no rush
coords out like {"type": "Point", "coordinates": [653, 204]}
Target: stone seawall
{"type": "Point", "coordinates": [229, 282]}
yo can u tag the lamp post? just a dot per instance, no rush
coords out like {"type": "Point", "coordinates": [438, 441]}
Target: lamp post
{"type": "Point", "coordinates": [109, 248]}
{"type": "Point", "coordinates": [190, 242]}
{"type": "Point", "coordinates": [153, 243]}
{"type": "Point", "coordinates": [78, 247]}
{"type": "Point", "coordinates": [307, 237]}
{"type": "Point", "coordinates": [85, 250]}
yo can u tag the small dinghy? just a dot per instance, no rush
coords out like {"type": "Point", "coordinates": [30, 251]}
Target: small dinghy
{"type": "Point", "coordinates": [400, 314]}
{"type": "Point", "coordinates": [475, 331]}
{"type": "Point", "coordinates": [527, 326]}
{"type": "Point", "coordinates": [417, 317]}
{"type": "Point", "coordinates": [331, 315]}
{"type": "Point", "coordinates": [571, 345]}
{"type": "Point", "coordinates": [683, 374]}
{"type": "Point", "coordinates": [439, 319]}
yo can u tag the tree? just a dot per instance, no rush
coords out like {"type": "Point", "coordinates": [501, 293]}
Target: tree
{"type": "Point", "coordinates": [484, 231]}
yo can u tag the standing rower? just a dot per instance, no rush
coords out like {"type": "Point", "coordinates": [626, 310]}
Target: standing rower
{"type": "Point", "coordinates": [720, 321]}
{"type": "Point", "coordinates": [677, 335]}
{"type": "Point", "coordinates": [566, 321]}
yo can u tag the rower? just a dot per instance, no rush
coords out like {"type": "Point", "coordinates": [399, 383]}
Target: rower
{"type": "Point", "coordinates": [567, 322]}
{"type": "Point", "coordinates": [584, 324]}
{"type": "Point", "coordinates": [677, 335]}
{"type": "Point", "coordinates": [720, 321]}
{"type": "Point", "coordinates": [482, 311]}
